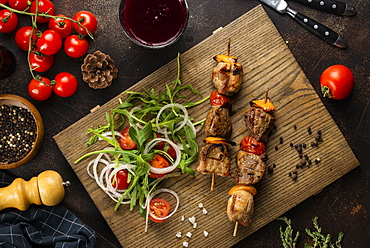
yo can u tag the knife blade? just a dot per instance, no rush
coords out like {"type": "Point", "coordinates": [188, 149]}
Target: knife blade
{"type": "Point", "coordinates": [315, 27]}
{"type": "Point", "coordinates": [331, 6]}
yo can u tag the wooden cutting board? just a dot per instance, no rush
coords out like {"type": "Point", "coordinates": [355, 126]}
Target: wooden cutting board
{"type": "Point", "coordinates": [268, 64]}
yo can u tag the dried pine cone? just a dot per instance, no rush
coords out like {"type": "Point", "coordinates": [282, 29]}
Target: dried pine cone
{"type": "Point", "coordinates": [98, 70]}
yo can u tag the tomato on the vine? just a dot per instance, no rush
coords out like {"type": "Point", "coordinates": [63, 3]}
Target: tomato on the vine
{"type": "Point", "coordinates": [87, 19]}
{"type": "Point", "coordinates": [3, 1]}
{"type": "Point", "coordinates": [125, 141]}
{"type": "Point", "coordinates": [119, 180]}
{"type": "Point", "coordinates": [158, 162]}
{"type": "Point", "coordinates": [75, 46]}
{"type": "Point", "coordinates": [160, 208]}
{"type": "Point", "coordinates": [40, 62]}
{"type": "Point", "coordinates": [8, 21]}
{"type": "Point", "coordinates": [64, 84]}
{"type": "Point", "coordinates": [41, 89]}
{"type": "Point", "coordinates": [19, 4]}
{"type": "Point", "coordinates": [336, 82]}
{"type": "Point", "coordinates": [22, 37]}
{"type": "Point", "coordinates": [49, 43]}
{"type": "Point", "coordinates": [44, 7]}
{"type": "Point", "coordinates": [61, 25]}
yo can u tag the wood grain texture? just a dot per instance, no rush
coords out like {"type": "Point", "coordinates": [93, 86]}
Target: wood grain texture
{"type": "Point", "coordinates": [268, 64]}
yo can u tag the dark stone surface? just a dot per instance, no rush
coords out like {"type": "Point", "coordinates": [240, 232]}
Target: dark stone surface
{"type": "Point", "coordinates": [342, 206]}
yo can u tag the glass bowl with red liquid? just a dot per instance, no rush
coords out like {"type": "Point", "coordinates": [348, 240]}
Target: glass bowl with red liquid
{"type": "Point", "coordinates": [154, 23]}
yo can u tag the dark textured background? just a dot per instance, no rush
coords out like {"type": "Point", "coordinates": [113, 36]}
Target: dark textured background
{"type": "Point", "coordinates": [342, 206]}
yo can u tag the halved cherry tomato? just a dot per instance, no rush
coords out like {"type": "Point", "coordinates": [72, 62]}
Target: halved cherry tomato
{"type": "Point", "coordinates": [49, 43]}
{"type": "Point", "coordinates": [22, 37]}
{"type": "Point", "coordinates": [164, 146]}
{"type": "Point", "coordinates": [249, 144]}
{"type": "Point", "coordinates": [8, 21]}
{"type": "Point", "coordinates": [61, 25]}
{"type": "Point", "coordinates": [40, 90]}
{"type": "Point", "coordinates": [40, 62]}
{"type": "Point", "coordinates": [44, 7]}
{"type": "Point", "coordinates": [87, 19]}
{"type": "Point", "coordinates": [75, 46]}
{"type": "Point", "coordinates": [160, 208]}
{"type": "Point", "coordinates": [217, 99]}
{"type": "Point", "coordinates": [336, 82]}
{"type": "Point", "coordinates": [158, 162]}
{"type": "Point", "coordinates": [126, 142]}
{"type": "Point", "coordinates": [65, 84]}
{"type": "Point", "coordinates": [119, 181]}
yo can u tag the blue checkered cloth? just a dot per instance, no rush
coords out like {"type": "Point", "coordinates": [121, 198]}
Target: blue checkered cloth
{"type": "Point", "coordinates": [42, 226]}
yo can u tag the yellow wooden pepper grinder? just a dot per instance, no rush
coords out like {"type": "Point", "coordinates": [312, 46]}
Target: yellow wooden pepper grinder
{"type": "Point", "coordinates": [47, 188]}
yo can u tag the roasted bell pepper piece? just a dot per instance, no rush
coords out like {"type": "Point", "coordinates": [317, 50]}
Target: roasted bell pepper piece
{"type": "Point", "coordinates": [225, 58]}
{"type": "Point", "coordinates": [217, 140]}
{"type": "Point", "coordinates": [251, 145]}
{"type": "Point", "coordinates": [217, 99]}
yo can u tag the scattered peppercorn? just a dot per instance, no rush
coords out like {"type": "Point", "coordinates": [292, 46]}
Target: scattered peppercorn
{"type": "Point", "coordinates": [276, 148]}
{"type": "Point", "coordinates": [295, 127]}
{"type": "Point", "coordinates": [281, 141]}
{"type": "Point", "coordinates": [291, 144]}
{"type": "Point", "coordinates": [309, 130]}
{"type": "Point", "coordinates": [17, 133]}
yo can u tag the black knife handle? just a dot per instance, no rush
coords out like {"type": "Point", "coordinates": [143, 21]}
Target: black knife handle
{"type": "Point", "coordinates": [330, 6]}
{"type": "Point", "coordinates": [320, 30]}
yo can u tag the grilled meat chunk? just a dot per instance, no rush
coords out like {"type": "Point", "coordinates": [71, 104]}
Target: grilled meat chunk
{"type": "Point", "coordinates": [227, 78]}
{"type": "Point", "coordinates": [218, 122]}
{"type": "Point", "coordinates": [240, 206]}
{"type": "Point", "coordinates": [214, 158]}
{"type": "Point", "coordinates": [251, 168]}
{"type": "Point", "coordinates": [259, 123]}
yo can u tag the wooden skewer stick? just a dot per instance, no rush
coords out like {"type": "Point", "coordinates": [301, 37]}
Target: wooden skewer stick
{"type": "Point", "coordinates": [235, 228]}
{"type": "Point", "coordinates": [213, 182]}
{"type": "Point", "coordinates": [228, 47]}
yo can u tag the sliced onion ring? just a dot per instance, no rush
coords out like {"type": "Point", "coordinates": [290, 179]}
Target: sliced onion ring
{"type": "Point", "coordinates": [165, 170]}
{"type": "Point", "coordinates": [176, 105]}
{"type": "Point", "coordinates": [162, 190]}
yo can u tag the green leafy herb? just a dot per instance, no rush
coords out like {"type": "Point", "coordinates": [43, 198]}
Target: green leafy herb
{"type": "Point", "coordinates": [318, 239]}
{"type": "Point", "coordinates": [140, 110]}
{"type": "Point", "coordinates": [286, 235]}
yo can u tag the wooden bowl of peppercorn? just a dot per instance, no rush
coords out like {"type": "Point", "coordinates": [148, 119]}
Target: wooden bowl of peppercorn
{"type": "Point", "coordinates": [21, 131]}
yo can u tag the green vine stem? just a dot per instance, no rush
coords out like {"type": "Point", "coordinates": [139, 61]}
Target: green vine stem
{"type": "Point", "coordinates": [46, 15]}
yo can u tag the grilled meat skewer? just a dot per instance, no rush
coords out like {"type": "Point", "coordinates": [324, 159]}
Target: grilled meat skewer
{"type": "Point", "coordinates": [240, 206]}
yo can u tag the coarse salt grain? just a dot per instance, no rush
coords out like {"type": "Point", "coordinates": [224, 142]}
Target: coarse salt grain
{"type": "Point", "coordinates": [205, 233]}
{"type": "Point", "coordinates": [182, 218]}
{"type": "Point", "coordinates": [189, 235]}
{"type": "Point", "coordinates": [185, 244]}
{"type": "Point", "coordinates": [178, 235]}
{"type": "Point", "coordinates": [204, 211]}
{"type": "Point", "coordinates": [192, 220]}
{"type": "Point", "coordinates": [200, 205]}
{"type": "Point", "coordinates": [195, 225]}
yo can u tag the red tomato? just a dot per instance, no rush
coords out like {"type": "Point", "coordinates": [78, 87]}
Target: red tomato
{"type": "Point", "coordinates": [8, 21]}
{"type": "Point", "coordinates": [158, 162]}
{"type": "Point", "coordinates": [75, 47]}
{"type": "Point", "coordinates": [22, 37]}
{"type": "Point", "coordinates": [337, 82]}
{"type": "Point", "coordinates": [160, 208]}
{"type": "Point", "coordinates": [3, 1]}
{"type": "Point", "coordinates": [119, 181]}
{"type": "Point", "coordinates": [217, 99]}
{"type": "Point", "coordinates": [19, 4]}
{"type": "Point", "coordinates": [249, 144]}
{"type": "Point", "coordinates": [62, 26]}
{"type": "Point", "coordinates": [126, 142]}
{"type": "Point", "coordinates": [40, 62]}
{"type": "Point", "coordinates": [87, 19]}
{"type": "Point", "coordinates": [40, 90]}
{"type": "Point", "coordinates": [49, 43]}
{"type": "Point", "coordinates": [64, 84]}
{"type": "Point", "coordinates": [164, 146]}
{"type": "Point", "coordinates": [45, 7]}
